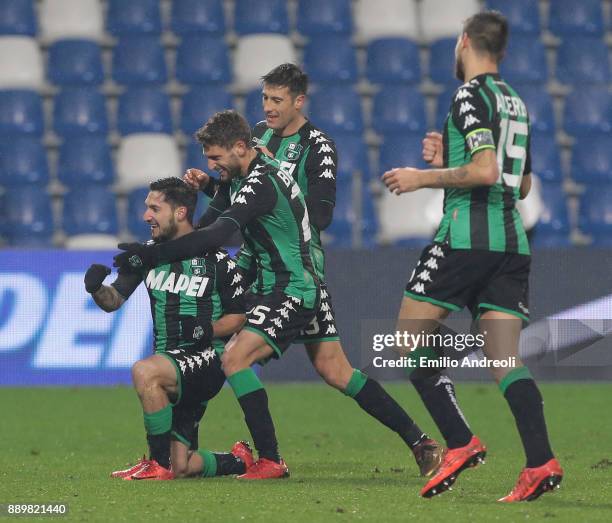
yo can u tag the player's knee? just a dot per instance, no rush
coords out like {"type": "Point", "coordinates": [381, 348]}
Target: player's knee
{"type": "Point", "coordinates": [333, 372]}
{"type": "Point", "coordinates": [231, 362]}
{"type": "Point", "coordinates": [144, 375]}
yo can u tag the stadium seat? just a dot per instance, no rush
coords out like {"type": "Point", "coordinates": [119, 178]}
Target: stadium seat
{"type": "Point", "coordinates": [17, 17]}
{"type": "Point", "coordinates": [61, 19]}
{"type": "Point", "coordinates": [539, 106]}
{"type": "Point", "coordinates": [399, 109]}
{"type": "Point", "coordinates": [78, 111]}
{"type": "Point", "coordinates": [135, 211]}
{"type": "Point", "coordinates": [592, 160]}
{"type": "Point", "coordinates": [340, 231]}
{"type": "Point", "coordinates": [385, 18]}
{"type": "Point", "coordinates": [525, 61]}
{"type": "Point", "coordinates": [253, 109]}
{"type": "Point", "coordinates": [85, 160]}
{"type": "Point", "coordinates": [441, 18]}
{"type": "Point", "coordinates": [21, 112]}
{"type": "Point", "coordinates": [96, 242]}
{"type": "Point", "coordinates": [568, 18]}
{"type": "Point", "coordinates": [401, 151]}
{"type": "Point", "coordinates": [442, 61]}
{"type": "Point", "coordinates": [139, 60]}
{"type": "Point", "coordinates": [75, 62]}
{"type": "Point", "coordinates": [545, 157]}
{"type": "Point", "coordinates": [27, 215]}
{"type": "Point", "coordinates": [324, 66]}
{"type": "Point", "coordinates": [195, 158]}
{"type": "Point", "coordinates": [588, 111]}
{"type": "Point", "coordinates": [21, 63]}
{"type": "Point", "coordinates": [269, 16]}
{"type": "Point", "coordinates": [270, 50]}
{"type": "Point", "coordinates": [393, 60]}
{"type": "Point", "coordinates": [200, 104]}
{"type": "Point", "coordinates": [91, 209]}
{"type": "Point", "coordinates": [443, 103]}
{"type": "Point", "coordinates": [133, 17]}
{"type": "Point", "coordinates": [595, 215]}
{"type": "Point", "coordinates": [554, 217]}
{"type": "Point", "coordinates": [144, 110]}
{"type": "Point", "coordinates": [352, 155]}
{"type": "Point", "coordinates": [203, 60]}
{"type": "Point", "coordinates": [324, 17]}
{"type": "Point", "coordinates": [530, 208]}
{"type": "Point", "coordinates": [23, 161]}
{"type": "Point", "coordinates": [145, 157]}
{"type": "Point", "coordinates": [583, 60]}
{"type": "Point", "coordinates": [200, 17]}
{"type": "Point", "coordinates": [369, 218]}
{"type": "Point", "coordinates": [337, 110]}
{"type": "Point", "coordinates": [523, 15]}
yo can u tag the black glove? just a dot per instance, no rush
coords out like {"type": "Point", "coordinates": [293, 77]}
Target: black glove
{"type": "Point", "coordinates": [95, 276]}
{"type": "Point", "coordinates": [136, 256]}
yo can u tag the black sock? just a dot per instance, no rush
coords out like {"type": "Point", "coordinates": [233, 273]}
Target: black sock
{"type": "Point", "coordinates": [526, 404]}
{"type": "Point", "coordinates": [438, 395]}
{"type": "Point", "coordinates": [228, 464]}
{"type": "Point", "coordinates": [258, 419]}
{"type": "Point", "coordinates": [377, 403]}
{"type": "Point", "coordinates": [159, 448]}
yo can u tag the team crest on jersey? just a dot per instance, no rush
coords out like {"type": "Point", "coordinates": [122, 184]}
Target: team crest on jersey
{"type": "Point", "coordinates": [293, 151]}
{"type": "Point", "coordinates": [198, 266]}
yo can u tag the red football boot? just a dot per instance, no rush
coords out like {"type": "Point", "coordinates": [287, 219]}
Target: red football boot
{"type": "Point", "coordinates": [454, 462]}
{"type": "Point", "coordinates": [533, 482]}
{"type": "Point", "coordinates": [131, 470]}
{"type": "Point", "coordinates": [242, 450]}
{"type": "Point", "coordinates": [152, 470]}
{"type": "Point", "coordinates": [266, 469]}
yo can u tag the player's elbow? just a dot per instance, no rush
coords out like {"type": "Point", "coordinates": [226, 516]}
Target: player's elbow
{"type": "Point", "coordinates": [489, 175]}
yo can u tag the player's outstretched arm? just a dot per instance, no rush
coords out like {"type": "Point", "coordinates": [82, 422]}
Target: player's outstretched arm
{"type": "Point", "coordinates": [106, 297]}
{"type": "Point", "coordinates": [200, 181]}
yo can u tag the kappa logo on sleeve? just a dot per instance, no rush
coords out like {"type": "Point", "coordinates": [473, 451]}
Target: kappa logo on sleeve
{"type": "Point", "coordinates": [470, 120]}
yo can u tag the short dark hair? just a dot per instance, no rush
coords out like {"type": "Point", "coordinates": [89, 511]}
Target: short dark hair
{"type": "Point", "coordinates": [177, 193]}
{"type": "Point", "coordinates": [488, 31]}
{"type": "Point", "coordinates": [290, 76]}
{"type": "Point", "coordinates": [224, 129]}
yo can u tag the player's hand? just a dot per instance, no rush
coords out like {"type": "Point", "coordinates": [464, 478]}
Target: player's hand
{"type": "Point", "coordinates": [95, 276]}
{"type": "Point", "coordinates": [135, 256]}
{"type": "Point", "coordinates": [433, 150]}
{"type": "Point", "coordinates": [196, 179]}
{"type": "Point", "coordinates": [405, 179]}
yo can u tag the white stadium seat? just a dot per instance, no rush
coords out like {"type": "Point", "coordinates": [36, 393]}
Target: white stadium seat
{"type": "Point", "coordinates": [21, 64]}
{"type": "Point", "coordinates": [145, 157]}
{"type": "Point", "coordinates": [531, 207]}
{"type": "Point", "coordinates": [385, 18]}
{"type": "Point", "coordinates": [92, 242]}
{"type": "Point", "coordinates": [61, 19]}
{"type": "Point", "coordinates": [257, 54]}
{"type": "Point", "coordinates": [441, 18]}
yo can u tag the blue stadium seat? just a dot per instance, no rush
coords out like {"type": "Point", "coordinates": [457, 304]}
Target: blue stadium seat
{"type": "Point", "coordinates": [203, 60]}
{"type": "Point", "coordinates": [337, 110]}
{"type": "Point", "coordinates": [21, 112]}
{"type": "Point", "coordinates": [595, 215]}
{"type": "Point", "coordinates": [323, 17]}
{"type": "Point", "coordinates": [568, 17]}
{"type": "Point", "coordinates": [340, 231]}
{"type": "Point", "coordinates": [195, 157]}
{"type": "Point", "coordinates": [78, 111]}
{"type": "Point", "coordinates": [545, 157]}
{"type": "Point", "coordinates": [554, 219]}
{"type": "Point", "coordinates": [17, 17]}
{"type": "Point", "coordinates": [133, 16]}
{"type": "Point", "coordinates": [135, 211]}
{"type": "Point", "coordinates": [400, 151]}
{"type": "Point", "coordinates": [139, 60]}
{"type": "Point", "coordinates": [90, 209]}
{"type": "Point", "coordinates": [197, 17]}
{"type": "Point", "coordinates": [253, 109]}
{"type": "Point", "coordinates": [592, 160]}
{"type": "Point", "coordinates": [399, 109]}
{"type": "Point", "coordinates": [269, 16]}
{"type": "Point", "coordinates": [442, 61]}
{"type": "Point", "coordinates": [85, 160]}
{"type": "Point", "coordinates": [523, 15]}
{"type": "Point", "coordinates": [525, 61]}
{"type": "Point", "coordinates": [352, 155]}
{"type": "Point", "coordinates": [539, 105]}
{"type": "Point", "coordinates": [443, 103]}
{"type": "Point", "coordinates": [325, 66]}
{"type": "Point", "coordinates": [393, 60]}
{"type": "Point", "coordinates": [583, 60]}
{"type": "Point", "coordinates": [200, 104]}
{"type": "Point", "coordinates": [27, 215]}
{"type": "Point", "coordinates": [144, 110]}
{"type": "Point", "coordinates": [75, 62]}
{"type": "Point", "coordinates": [23, 160]}
{"type": "Point", "coordinates": [588, 111]}
{"type": "Point", "coordinates": [369, 219]}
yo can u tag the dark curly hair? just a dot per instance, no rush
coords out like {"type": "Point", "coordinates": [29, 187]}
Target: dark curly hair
{"type": "Point", "coordinates": [290, 76]}
{"type": "Point", "coordinates": [488, 31]}
{"type": "Point", "coordinates": [177, 193]}
{"type": "Point", "coordinates": [224, 129]}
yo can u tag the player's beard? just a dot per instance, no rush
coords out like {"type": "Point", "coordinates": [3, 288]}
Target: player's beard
{"type": "Point", "coordinates": [459, 69]}
{"type": "Point", "coordinates": [168, 232]}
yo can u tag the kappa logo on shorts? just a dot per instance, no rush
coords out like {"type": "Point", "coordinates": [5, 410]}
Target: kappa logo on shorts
{"type": "Point", "coordinates": [327, 173]}
{"type": "Point", "coordinates": [288, 305]}
{"type": "Point", "coordinates": [431, 263]}
{"type": "Point", "coordinates": [278, 322]}
{"type": "Point", "coordinates": [331, 329]}
{"type": "Point", "coordinates": [324, 294]}
{"type": "Point", "coordinates": [418, 287]}
{"type": "Point", "coordinates": [424, 275]}
{"type": "Point", "coordinates": [436, 250]}
{"type": "Point", "coordinates": [328, 316]}
{"type": "Point", "coordinates": [523, 308]}
{"type": "Point", "coordinates": [271, 332]}
{"type": "Point", "coordinates": [239, 290]}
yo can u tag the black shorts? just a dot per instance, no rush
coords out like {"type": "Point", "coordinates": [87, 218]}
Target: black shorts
{"type": "Point", "coordinates": [277, 318]}
{"type": "Point", "coordinates": [323, 326]}
{"type": "Point", "coordinates": [479, 280]}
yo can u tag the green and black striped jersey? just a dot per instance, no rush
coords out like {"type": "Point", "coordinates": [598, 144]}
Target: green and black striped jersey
{"type": "Point", "coordinates": [186, 297]}
{"type": "Point", "coordinates": [486, 113]}
{"type": "Point", "coordinates": [269, 208]}
{"type": "Point", "coordinates": [309, 156]}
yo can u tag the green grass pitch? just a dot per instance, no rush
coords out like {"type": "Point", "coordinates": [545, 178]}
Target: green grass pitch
{"type": "Point", "coordinates": [59, 445]}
